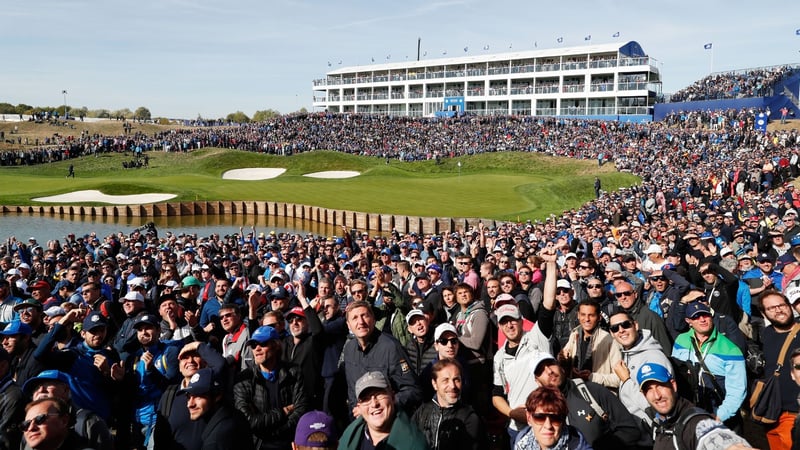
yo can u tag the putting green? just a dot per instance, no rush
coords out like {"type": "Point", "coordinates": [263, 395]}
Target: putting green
{"type": "Point", "coordinates": [506, 186]}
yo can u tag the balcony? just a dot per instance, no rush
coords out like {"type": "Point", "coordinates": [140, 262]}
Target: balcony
{"type": "Point", "coordinates": [574, 88]}
{"type": "Point", "coordinates": [632, 86]}
{"type": "Point", "coordinates": [546, 89]}
{"type": "Point", "coordinates": [601, 87]}
{"type": "Point", "coordinates": [546, 111]}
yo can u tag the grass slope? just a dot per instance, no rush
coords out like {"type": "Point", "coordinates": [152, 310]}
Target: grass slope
{"type": "Point", "coordinates": [507, 185]}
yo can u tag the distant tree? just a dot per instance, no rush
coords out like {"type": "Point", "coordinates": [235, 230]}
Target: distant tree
{"type": "Point", "coordinates": [124, 112]}
{"type": "Point", "coordinates": [142, 113]}
{"type": "Point", "coordinates": [99, 113]}
{"type": "Point", "coordinates": [7, 108]}
{"type": "Point", "coordinates": [302, 110]}
{"type": "Point", "coordinates": [163, 121]}
{"type": "Point", "coordinates": [22, 108]}
{"type": "Point", "coordinates": [237, 117]}
{"type": "Point", "coordinates": [261, 116]}
{"type": "Point", "coordinates": [79, 112]}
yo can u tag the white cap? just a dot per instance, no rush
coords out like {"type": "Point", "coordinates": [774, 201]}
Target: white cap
{"type": "Point", "coordinates": [562, 283]}
{"type": "Point", "coordinates": [540, 358]}
{"type": "Point", "coordinates": [442, 329]}
{"type": "Point", "coordinates": [136, 281]}
{"type": "Point", "coordinates": [507, 311]}
{"type": "Point", "coordinates": [254, 287]}
{"type": "Point", "coordinates": [132, 296]}
{"type": "Point", "coordinates": [653, 248]}
{"type": "Point", "coordinates": [414, 313]}
{"type": "Point", "coordinates": [571, 255]}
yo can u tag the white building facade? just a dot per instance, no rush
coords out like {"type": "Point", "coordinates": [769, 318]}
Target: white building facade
{"type": "Point", "coordinates": [605, 81]}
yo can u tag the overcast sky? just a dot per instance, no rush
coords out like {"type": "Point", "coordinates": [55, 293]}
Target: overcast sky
{"type": "Point", "coordinates": [181, 58]}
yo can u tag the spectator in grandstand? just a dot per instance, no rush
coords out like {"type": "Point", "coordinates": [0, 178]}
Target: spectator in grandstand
{"type": "Point", "coordinates": [11, 404]}
{"type": "Point", "coordinates": [372, 349]}
{"type": "Point", "coordinates": [174, 426]}
{"type": "Point", "coordinates": [776, 309]}
{"type": "Point", "coordinates": [85, 423]}
{"type": "Point", "coordinates": [593, 409]}
{"type": "Point", "coordinates": [270, 394]}
{"type": "Point", "coordinates": [222, 426]}
{"type": "Point", "coordinates": [47, 426]}
{"type": "Point", "coordinates": [677, 424]}
{"type": "Point", "coordinates": [546, 411]}
{"type": "Point", "coordinates": [723, 383]}
{"type": "Point", "coordinates": [512, 380]}
{"type": "Point", "coordinates": [379, 418]}
{"type": "Point", "coordinates": [629, 302]}
{"type": "Point", "coordinates": [590, 350]}
{"type": "Point", "coordinates": [315, 430]}
{"type": "Point", "coordinates": [446, 422]}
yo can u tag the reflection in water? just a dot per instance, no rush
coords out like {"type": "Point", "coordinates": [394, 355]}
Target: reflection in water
{"type": "Point", "coordinates": [56, 226]}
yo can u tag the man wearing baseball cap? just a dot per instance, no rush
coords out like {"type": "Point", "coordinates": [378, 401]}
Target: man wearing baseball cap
{"type": "Point", "coordinates": [722, 391]}
{"type": "Point", "coordinates": [675, 418]}
{"type": "Point", "coordinates": [512, 381]}
{"type": "Point", "coordinates": [305, 346]}
{"type": "Point", "coordinates": [174, 427]}
{"type": "Point", "coordinates": [380, 422]}
{"type": "Point", "coordinates": [420, 348]}
{"type": "Point", "coordinates": [271, 395]}
{"type": "Point", "coordinates": [222, 426]}
{"type": "Point", "coordinates": [92, 365]}
{"type": "Point", "coordinates": [151, 367]}
{"type": "Point", "coordinates": [18, 342]}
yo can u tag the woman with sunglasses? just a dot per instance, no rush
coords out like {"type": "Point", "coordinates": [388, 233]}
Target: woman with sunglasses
{"type": "Point", "coordinates": [546, 411]}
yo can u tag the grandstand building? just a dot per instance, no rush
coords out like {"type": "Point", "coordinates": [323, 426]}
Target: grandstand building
{"type": "Point", "coordinates": [602, 81]}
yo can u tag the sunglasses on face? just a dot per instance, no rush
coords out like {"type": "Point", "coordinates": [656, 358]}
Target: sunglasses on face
{"type": "Point", "coordinates": [562, 291]}
{"type": "Point", "coordinates": [626, 325]}
{"type": "Point", "coordinates": [450, 341]}
{"type": "Point", "coordinates": [594, 286]}
{"type": "Point", "coordinates": [541, 418]}
{"type": "Point", "coordinates": [623, 294]}
{"type": "Point", "coordinates": [658, 278]}
{"type": "Point", "coordinates": [38, 420]}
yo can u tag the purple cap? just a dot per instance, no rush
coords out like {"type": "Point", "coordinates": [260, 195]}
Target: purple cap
{"type": "Point", "coordinates": [315, 422]}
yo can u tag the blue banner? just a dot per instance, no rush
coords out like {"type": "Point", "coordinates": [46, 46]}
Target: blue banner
{"type": "Point", "coordinates": [761, 123]}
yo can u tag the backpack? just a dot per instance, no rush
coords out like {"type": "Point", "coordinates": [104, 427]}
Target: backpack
{"type": "Point", "coordinates": [580, 385]}
{"type": "Point", "coordinates": [680, 425]}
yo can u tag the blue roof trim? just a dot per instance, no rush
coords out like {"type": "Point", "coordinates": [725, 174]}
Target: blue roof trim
{"type": "Point", "coordinates": [632, 49]}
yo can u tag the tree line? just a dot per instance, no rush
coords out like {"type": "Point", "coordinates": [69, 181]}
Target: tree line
{"type": "Point", "coordinates": [141, 113]}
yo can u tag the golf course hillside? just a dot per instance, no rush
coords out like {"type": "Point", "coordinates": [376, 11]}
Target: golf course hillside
{"type": "Point", "coordinates": [504, 186]}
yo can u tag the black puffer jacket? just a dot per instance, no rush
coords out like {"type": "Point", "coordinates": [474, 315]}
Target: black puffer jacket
{"type": "Point", "coordinates": [262, 402]}
{"type": "Point", "coordinates": [420, 355]}
{"type": "Point", "coordinates": [457, 427]}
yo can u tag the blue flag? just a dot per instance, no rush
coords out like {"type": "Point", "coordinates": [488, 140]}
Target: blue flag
{"type": "Point", "coordinates": [708, 46]}
{"type": "Point", "coordinates": [615, 34]}
{"type": "Point", "coordinates": [761, 123]}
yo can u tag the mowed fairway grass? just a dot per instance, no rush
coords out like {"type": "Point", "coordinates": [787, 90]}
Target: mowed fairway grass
{"type": "Point", "coordinates": [505, 186]}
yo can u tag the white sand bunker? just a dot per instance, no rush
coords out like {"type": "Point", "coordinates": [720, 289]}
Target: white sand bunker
{"type": "Point", "coordinates": [252, 174]}
{"type": "Point", "coordinates": [334, 174]}
{"type": "Point", "coordinates": [99, 197]}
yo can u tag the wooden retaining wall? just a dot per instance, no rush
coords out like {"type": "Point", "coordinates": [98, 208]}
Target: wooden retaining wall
{"type": "Point", "coordinates": [373, 222]}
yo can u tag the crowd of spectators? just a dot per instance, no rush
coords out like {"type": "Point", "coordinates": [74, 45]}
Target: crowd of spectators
{"type": "Point", "coordinates": [288, 323]}
{"type": "Point", "coordinates": [734, 84]}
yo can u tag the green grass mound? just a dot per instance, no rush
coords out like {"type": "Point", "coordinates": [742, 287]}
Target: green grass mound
{"type": "Point", "coordinates": [505, 186]}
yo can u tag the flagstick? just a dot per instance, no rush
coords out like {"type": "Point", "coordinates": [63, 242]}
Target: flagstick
{"type": "Point", "coordinates": [711, 66]}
